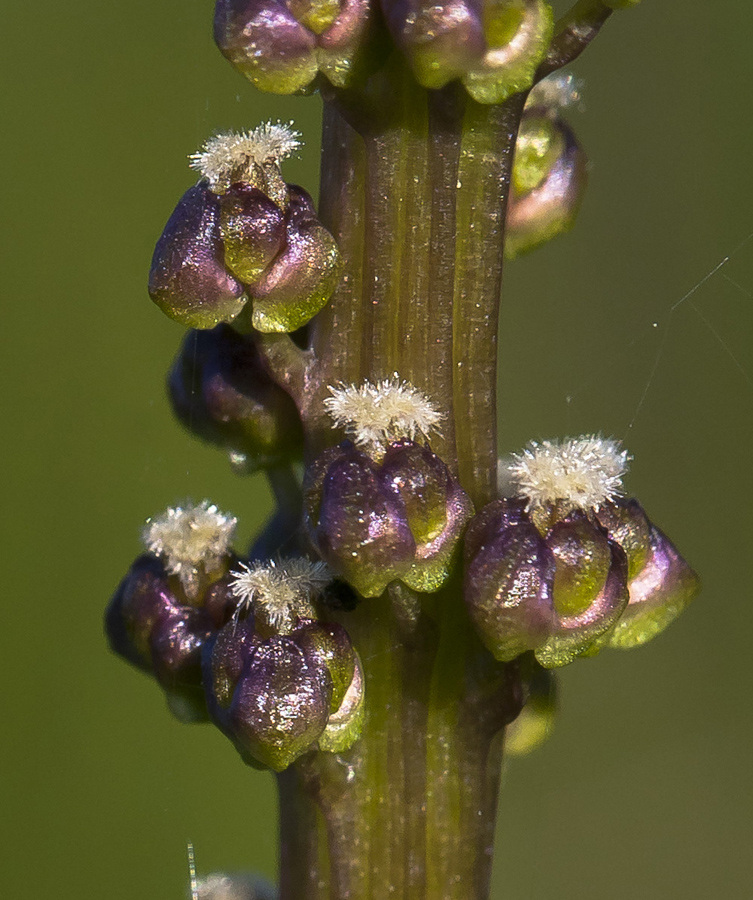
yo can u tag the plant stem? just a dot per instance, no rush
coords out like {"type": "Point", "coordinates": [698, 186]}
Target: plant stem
{"type": "Point", "coordinates": [417, 204]}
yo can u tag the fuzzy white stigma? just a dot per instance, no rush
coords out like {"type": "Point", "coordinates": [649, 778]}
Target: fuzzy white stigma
{"type": "Point", "coordinates": [280, 591]}
{"type": "Point", "coordinates": [577, 473]}
{"type": "Point", "coordinates": [374, 414]}
{"type": "Point", "coordinates": [230, 156]}
{"type": "Point", "coordinates": [190, 540]}
{"type": "Point", "coordinates": [557, 91]}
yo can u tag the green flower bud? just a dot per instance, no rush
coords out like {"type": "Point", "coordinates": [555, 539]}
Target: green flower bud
{"type": "Point", "coordinates": [548, 182]}
{"type": "Point", "coordinates": [589, 589]}
{"type": "Point", "coordinates": [536, 720]}
{"type": "Point", "coordinates": [301, 279]}
{"type": "Point", "coordinates": [344, 725]}
{"type": "Point", "coordinates": [329, 643]}
{"type": "Point", "coordinates": [437, 510]}
{"type": "Point", "coordinates": [494, 47]}
{"type": "Point", "coordinates": [659, 592]}
{"type": "Point", "coordinates": [253, 230]}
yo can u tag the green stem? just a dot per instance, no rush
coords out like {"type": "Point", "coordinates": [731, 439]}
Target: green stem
{"type": "Point", "coordinates": [484, 172]}
{"type": "Point", "coordinates": [417, 204]}
{"type": "Point", "coordinates": [573, 33]}
{"type": "Point", "coordinates": [409, 811]}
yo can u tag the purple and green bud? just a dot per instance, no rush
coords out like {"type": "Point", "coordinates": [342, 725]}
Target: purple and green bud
{"type": "Point", "coordinates": [280, 704]}
{"type": "Point", "coordinates": [549, 178]}
{"type": "Point", "coordinates": [494, 48]}
{"type": "Point", "coordinates": [437, 510]}
{"type": "Point", "coordinates": [275, 697]}
{"type": "Point", "coordinates": [661, 583]}
{"type": "Point", "coordinates": [589, 590]}
{"type": "Point", "coordinates": [398, 518]}
{"type": "Point", "coordinates": [329, 644]}
{"type": "Point", "coordinates": [357, 520]}
{"type": "Point", "coordinates": [151, 624]}
{"type": "Point", "coordinates": [302, 277]}
{"type": "Point", "coordinates": [281, 47]}
{"type": "Point", "coordinates": [221, 392]}
{"type": "Point", "coordinates": [509, 576]}
{"type": "Point", "coordinates": [188, 279]}
{"type": "Point", "coordinates": [253, 230]}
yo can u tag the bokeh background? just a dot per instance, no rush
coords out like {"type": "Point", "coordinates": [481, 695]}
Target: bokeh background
{"type": "Point", "coordinates": [644, 789]}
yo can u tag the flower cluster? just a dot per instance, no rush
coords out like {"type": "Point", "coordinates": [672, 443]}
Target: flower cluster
{"type": "Point", "coordinates": [242, 233]}
{"type": "Point", "coordinates": [281, 695]}
{"type": "Point", "coordinates": [565, 565]}
{"type": "Point", "coordinates": [172, 600]}
{"type": "Point", "coordinates": [392, 510]}
{"type": "Point", "coordinates": [281, 46]}
{"type": "Point", "coordinates": [240, 643]}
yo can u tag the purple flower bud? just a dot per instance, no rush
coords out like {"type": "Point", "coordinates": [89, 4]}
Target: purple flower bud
{"type": "Point", "coordinates": [221, 392]}
{"type": "Point", "coordinates": [176, 641]}
{"type": "Point", "coordinates": [280, 46]}
{"type": "Point", "coordinates": [141, 600]}
{"type": "Point", "coordinates": [589, 589]}
{"type": "Point", "coordinates": [358, 520]}
{"type": "Point", "coordinates": [437, 510]}
{"type": "Point", "coordinates": [493, 48]}
{"type": "Point", "coordinates": [252, 228]}
{"type": "Point", "coordinates": [549, 180]}
{"type": "Point", "coordinates": [301, 279]}
{"type": "Point", "coordinates": [281, 703]}
{"type": "Point", "coordinates": [150, 624]}
{"type": "Point", "coordinates": [509, 577]}
{"type": "Point", "coordinates": [659, 592]}
{"type": "Point", "coordinates": [223, 661]}
{"type": "Point", "coordinates": [275, 698]}
{"type": "Point", "coordinates": [442, 40]}
{"type": "Point", "coordinates": [188, 279]}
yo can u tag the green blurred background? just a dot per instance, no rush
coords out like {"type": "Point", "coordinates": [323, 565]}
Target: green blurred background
{"type": "Point", "coordinates": [644, 790]}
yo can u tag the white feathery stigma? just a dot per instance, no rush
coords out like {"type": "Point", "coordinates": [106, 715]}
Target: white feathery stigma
{"type": "Point", "coordinates": [577, 473]}
{"type": "Point", "coordinates": [280, 590]}
{"type": "Point", "coordinates": [374, 414]}
{"type": "Point", "coordinates": [227, 157]}
{"type": "Point", "coordinates": [190, 539]}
